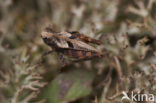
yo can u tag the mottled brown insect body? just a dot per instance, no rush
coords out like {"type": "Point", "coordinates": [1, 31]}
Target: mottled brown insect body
{"type": "Point", "coordinates": [71, 44]}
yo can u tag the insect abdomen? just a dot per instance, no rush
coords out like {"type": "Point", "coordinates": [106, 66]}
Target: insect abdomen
{"type": "Point", "coordinates": [79, 54]}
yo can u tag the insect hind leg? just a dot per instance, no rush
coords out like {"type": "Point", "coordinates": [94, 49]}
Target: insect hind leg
{"type": "Point", "coordinates": [85, 58]}
{"type": "Point", "coordinates": [81, 59]}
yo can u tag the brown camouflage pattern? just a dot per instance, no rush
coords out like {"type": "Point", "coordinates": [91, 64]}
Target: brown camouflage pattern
{"type": "Point", "coordinates": [72, 44]}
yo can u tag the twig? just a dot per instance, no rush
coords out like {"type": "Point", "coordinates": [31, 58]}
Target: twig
{"type": "Point", "coordinates": [118, 67]}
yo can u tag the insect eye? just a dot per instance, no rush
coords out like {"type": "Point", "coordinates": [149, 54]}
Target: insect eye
{"type": "Point", "coordinates": [70, 44]}
{"type": "Point", "coordinates": [44, 39]}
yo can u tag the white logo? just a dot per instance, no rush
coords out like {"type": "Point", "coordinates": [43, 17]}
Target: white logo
{"type": "Point", "coordinates": [138, 97]}
{"type": "Point", "coordinates": [125, 96]}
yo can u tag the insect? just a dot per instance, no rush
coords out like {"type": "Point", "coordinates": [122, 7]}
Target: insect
{"type": "Point", "coordinates": [71, 44]}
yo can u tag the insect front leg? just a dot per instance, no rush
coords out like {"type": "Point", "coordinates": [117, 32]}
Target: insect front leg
{"type": "Point", "coordinates": [47, 53]}
{"type": "Point", "coordinates": [80, 60]}
{"type": "Point", "coordinates": [63, 60]}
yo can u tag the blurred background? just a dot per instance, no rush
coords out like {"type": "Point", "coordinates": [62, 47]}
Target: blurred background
{"type": "Point", "coordinates": [127, 29]}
